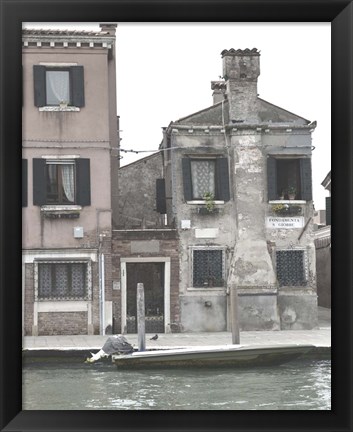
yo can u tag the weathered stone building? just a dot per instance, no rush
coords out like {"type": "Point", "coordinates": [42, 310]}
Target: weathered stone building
{"type": "Point", "coordinates": [238, 183]}
{"type": "Point", "coordinates": [70, 165]}
{"type": "Point", "coordinates": [145, 249]}
{"type": "Point", "coordinates": [323, 252]}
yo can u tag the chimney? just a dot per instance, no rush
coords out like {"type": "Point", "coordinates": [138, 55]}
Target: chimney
{"type": "Point", "coordinates": [219, 91]}
{"type": "Point", "coordinates": [110, 28]}
{"type": "Point", "coordinates": [241, 69]}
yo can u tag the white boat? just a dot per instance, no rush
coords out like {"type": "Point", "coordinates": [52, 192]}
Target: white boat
{"type": "Point", "coordinates": [211, 356]}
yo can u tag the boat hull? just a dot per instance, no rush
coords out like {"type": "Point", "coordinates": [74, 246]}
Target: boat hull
{"type": "Point", "coordinates": [226, 356]}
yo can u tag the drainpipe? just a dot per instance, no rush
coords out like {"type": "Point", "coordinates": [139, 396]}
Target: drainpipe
{"type": "Point", "coordinates": [101, 289]}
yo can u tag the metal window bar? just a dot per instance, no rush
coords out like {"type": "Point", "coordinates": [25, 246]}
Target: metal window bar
{"type": "Point", "coordinates": [208, 268]}
{"type": "Point", "coordinates": [290, 267]}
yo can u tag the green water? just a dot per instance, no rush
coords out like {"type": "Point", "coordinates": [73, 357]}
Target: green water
{"type": "Point", "coordinates": [298, 385]}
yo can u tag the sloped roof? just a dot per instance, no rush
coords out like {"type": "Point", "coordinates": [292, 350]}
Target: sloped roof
{"type": "Point", "coordinates": [275, 114]}
{"type": "Point", "coordinates": [210, 115]}
{"type": "Point", "coordinates": [218, 115]}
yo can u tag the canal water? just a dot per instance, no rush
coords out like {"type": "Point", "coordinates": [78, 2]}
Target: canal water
{"type": "Point", "coordinates": [298, 385]}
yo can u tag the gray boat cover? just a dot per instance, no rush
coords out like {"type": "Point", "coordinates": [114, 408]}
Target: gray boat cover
{"type": "Point", "coordinates": [117, 344]}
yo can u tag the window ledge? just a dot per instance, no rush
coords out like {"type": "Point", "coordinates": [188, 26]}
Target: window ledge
{"type": "Point", "coordinates": [46, 208]}
{"type": "Point", "coordinates": [198, 202]}
{"type": "Point", "coordinates": [287, 202]}
{"type": "Point", "coordinates": [61, 212]}
{"type": "Point", "coordinates": [59, 109]}
{"type": "Point", "coordinates": [193, 289]}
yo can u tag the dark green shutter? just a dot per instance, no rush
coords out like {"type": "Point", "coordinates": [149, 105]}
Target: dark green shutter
{"type": "Point", "coordinates": [328, 210]}
{"type": "Point", "coordinates": [24, 182]}
{"type": "Point", "coordinates": [39, 86]}
{"type": "Point", "coordinates": [77, 80]}
{"type": "Point", "coordinates": [83, 182]}
{"type": "Point", "coordinates": [186, 166]}
{"type": "Point", "coordinates": [271, 179]}
{"type": "Point", "coordinates": [160, 196]}
{"type": "Point", "coordinates": [39, 182]}
{"type": "Point", "coordinates": [222, 172]}
{"type": "Point", "coordinates": [305, 178]}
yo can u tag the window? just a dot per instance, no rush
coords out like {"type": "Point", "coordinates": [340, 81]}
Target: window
{"type": "Point", "coordinates": [208, 268]}
{"type": "Point", "coordinates": [58, 87]}
{"type": "Point", "coordinates": [202, 176]}
{"type": "Point", "coordinates": [53, 86]}
{"type": "Point", "coordinates": [290, 266]}
{"type": "Point", "coordinates": [286, 176]}
{"type": "Point", "coordinates": [62, 280]}
{"type": "Point", "coordinates": [61, 182]}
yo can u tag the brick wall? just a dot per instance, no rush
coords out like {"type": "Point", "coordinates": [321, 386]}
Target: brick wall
{"type": "Point", "coordinates": [168, 247]}
{"type": "Point", "coordinates": [71, 322]}
{"type": "Point", "coordinates": [28, 299]}
{"type": "Point", "coordinates": [62, 323]}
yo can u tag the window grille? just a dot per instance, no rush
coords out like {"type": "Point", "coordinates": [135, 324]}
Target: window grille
{"type": "Point", "coordinates": [62, 280]}
{"type": "Point", "coordinates": [208, 268]}
{"type": "Point", "coordinates": [290, 267]}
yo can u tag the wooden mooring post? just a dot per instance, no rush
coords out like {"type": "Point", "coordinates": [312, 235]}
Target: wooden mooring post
{"type": "Point", "coordinates": [234, 314]}
{"type": "Point", "coordinates": [141, 334]}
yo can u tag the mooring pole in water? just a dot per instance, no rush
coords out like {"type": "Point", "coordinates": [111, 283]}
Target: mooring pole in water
{"type": "Point", "coordinates": [141, 317]}
{"type": "Point", "coordinates": [234, 314]}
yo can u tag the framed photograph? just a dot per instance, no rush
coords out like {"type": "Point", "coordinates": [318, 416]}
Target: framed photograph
{"type": "Point", "coordinates": [57, 287]}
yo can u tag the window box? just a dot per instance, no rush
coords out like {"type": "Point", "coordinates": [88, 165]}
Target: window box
{"type": "Point", "coordinates": [205, 211]}
{"type": "Point", "coordinates": [61, 212]}
{"type": "Point", "coordinates": [286, 210]}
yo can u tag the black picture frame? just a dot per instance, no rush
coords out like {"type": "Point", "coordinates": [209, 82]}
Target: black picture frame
{"type": "Point", "coordinates": [13, 13]}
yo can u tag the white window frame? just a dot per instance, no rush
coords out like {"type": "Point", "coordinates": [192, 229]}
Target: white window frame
{"type": "Point", "coordinates": [87, 297]}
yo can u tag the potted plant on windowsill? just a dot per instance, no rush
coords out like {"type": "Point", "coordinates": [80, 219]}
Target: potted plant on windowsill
{"type": "Point", "coordinates": [209, 199]}
{"type": "Point", "coordinates": [210, 205]}
{"type": "Point", "coordinates": [291, 191]}
{"type": "Point", "coordinates": [63, 104]}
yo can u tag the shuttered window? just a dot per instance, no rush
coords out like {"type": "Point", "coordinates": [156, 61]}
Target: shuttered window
{"type": "Point", "coordinates": [328, 210]}
{"type": "Point", "coordinates": [161, 205]}
{"type": "Point", "coordinates": [205, 176]}
{"type": "Point", "coordinates": [53, 86]}
{"type": "Point", "coordinates": [61, 182]}
{"type": "Point", "coordinates": [24, 182]}
{"type": "Point", "coordinates": [289, 179]}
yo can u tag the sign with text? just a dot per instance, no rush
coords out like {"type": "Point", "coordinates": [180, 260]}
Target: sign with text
{"type": "Point", "coordinates": [285, 222]}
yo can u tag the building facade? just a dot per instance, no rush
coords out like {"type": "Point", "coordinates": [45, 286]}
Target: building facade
{"type": "Point", "coordinates": [323, 251]}
{"type": "Point", "coordinates": [70, 165]}
{"type": "Point", "coordinates": [238, 175]}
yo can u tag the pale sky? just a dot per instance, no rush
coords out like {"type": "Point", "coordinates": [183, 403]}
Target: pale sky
{"type": "Point", "coordinates": [164, 72]}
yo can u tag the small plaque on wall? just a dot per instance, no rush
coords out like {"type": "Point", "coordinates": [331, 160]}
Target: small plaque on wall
{"type": "Point", "coordinates": [285, 222]}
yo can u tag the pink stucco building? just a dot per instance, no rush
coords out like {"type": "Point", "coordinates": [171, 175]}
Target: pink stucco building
{"type": "Point", "coordinates": [70, 164]}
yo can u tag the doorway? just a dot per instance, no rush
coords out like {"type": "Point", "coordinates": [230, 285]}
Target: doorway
{"type": "Point", "coordinates": [151, 274]}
